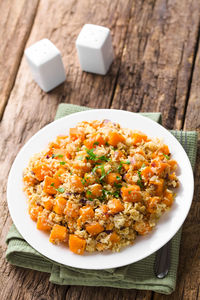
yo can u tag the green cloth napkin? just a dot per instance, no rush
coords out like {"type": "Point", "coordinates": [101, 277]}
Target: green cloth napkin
{"type": "Point", "coordinates": [139, 275]}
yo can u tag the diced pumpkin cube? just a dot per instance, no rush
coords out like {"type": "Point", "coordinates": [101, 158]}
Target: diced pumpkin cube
{"type": "Point", "coordinates": [77, 244]}
{"type": "Point", "coordinates": [40, 171]}
{"type": "Point", "coordinates": [71, 210]}
{"type": "Point", "coordinates": [60, 203]}
{"type": "Point", "coordinates": [34, 211]}
{"type": "Point", "coordinates": [147, 173]}
{"type": "Point", "coordinates": [159, 186]}
{"type": "Point", "coordinates": [114, 238]}
{"type": "Point", "coordinates": [86, 213]}
{"type": "Point", "coordinates": [94, 191]}
{"type": "Point", "coordinates": [142, 227]}
{"type": "Point", "coordinates": [94, 228]}
{"type": "Point", "coordinates": [114, 138]}
{"type": "Point", "coordinates": [152, 204]}
{"type": "Point", "coordinates": [138, 137]}
{"type": "Point", "coordinates": [43, 223]}
{"type": "Point", "coordinates": [58, 234]}
{"type": "Point", "coordinates": [115, 206]}
{"type": "Point", "coordinates": [50, 185]}
{"type": "Point", "coordinates": [94, 140]}
{"type": "Point", "coordinates": [76, 183]}
{"type": "Point", "coordinates": [59, 172]}
{"type": "Point", "coordinates": [131, 193]}
{"type": "Point", "coordinates": [75, 134]}
{"type": "Point", "coordinates": [113, 178]}
{"type": "Point", "coordinates": [48, 204]}
{"type": "Point", "coordinates": [168, 198]}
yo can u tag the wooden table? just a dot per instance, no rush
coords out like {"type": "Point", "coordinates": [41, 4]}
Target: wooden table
{"type": "Point", "coordinates": [156, 68]}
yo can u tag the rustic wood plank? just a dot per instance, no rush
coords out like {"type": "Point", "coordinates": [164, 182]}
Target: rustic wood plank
{"type": "Point", "coordinates": [16, 20]}
{"type": "Point", "coordinates": [188, 281]}
{"type": "Point", "coordinates": [29, 109]}
{"type": "Point", "coordinates": [157, 58]}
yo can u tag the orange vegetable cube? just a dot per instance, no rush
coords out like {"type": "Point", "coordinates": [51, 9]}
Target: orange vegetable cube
{"type": "Point", "coordinates": [94, 191]}
{"type": "Point", "coordinates": [113, 178]}
{"type": "Point", "coordinates": [142, 228]}
{"type": "Point", "coordinates": [89, 178]}
{"type": "Point", "coordinates": [159, 186]}
{"type": "Point", "coordinates": [114, 238]}
{"type": "Point", "coordinates": [119, 155]}
{"type": "Point", "coordinates": [60, 203]}
{"type": "Point", "coordinates": [164, 149]}
{"type": "Point", "coordinates": [48, 204]}
{"type": "Point", "coordinates": [168, 198]}
{"type": "Point", "coordinates": [71, 211]}
{"type": "Point", "coordinates": [104, 208]}
{"type": "Point", "coordinates": [114, 138]}
{"type": "Point", "coordinates": [77, 183]}
{"type": "Point", "coordinates": [152, 204]}
{"type": "Point", "coordinates": [138, 137]}
{"type": "Point", "coordinates": [43, 223]}
{"type": "Point", "coordinates": [147, 173]}
{"type": "Point", "coordinates": [75, 134]}
{"type": "Point", "coordinates": [34, 211]}
{"type": "Point", "coordinates": [76, 244]}
{"type": "Point", "coordinates": [41, 171]}
{"type": "Point", "coordinates": [61, 154]}
{"type": "Point", "coordinates": [59, 173]}
{"type": "Point", "coordinates": [94, 228]}
{"type": "Point", "coordinates": [50, 185]}
{"type": "Point", "coordinates": [115, 206]}
{"type": "Point", "coordinates": [94, 140]}
{"type": "Point", "coordinates": [131, 193]}
{"type": "Point", "coordinates": [86, 212]}
{"type": "Point", "coordinates": [58, 234]}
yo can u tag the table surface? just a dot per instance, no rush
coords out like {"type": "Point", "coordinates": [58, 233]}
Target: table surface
{"type": "Point", "coordinates": [156, 68]}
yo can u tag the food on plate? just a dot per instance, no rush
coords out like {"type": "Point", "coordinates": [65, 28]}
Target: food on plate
{"type": "Point", "coordinates": [100, 186]}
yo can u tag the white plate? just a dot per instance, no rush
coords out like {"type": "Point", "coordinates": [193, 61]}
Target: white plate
{"type": "Point", "coordinates": [167, 226]}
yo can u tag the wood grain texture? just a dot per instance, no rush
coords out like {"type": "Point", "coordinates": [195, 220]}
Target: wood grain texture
{"type": "Point", "coordinates": [16, 19]}
{"type": "Point", "coordinates": [155, 43]}
{"type": "Point", "coordinates": [157, 58]}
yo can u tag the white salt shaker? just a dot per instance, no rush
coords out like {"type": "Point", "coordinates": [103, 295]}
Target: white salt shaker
{"type": "Point", "coordinates": [94, 47]}
{"type": "Point", "coordinates": [46, 64]}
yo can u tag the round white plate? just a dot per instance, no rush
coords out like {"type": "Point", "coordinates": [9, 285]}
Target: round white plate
{"type": "Point", "coordinates": [167, 226]}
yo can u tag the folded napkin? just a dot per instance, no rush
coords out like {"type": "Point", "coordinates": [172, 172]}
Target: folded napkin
{"type": "Point", "coordinates": [139, 275]}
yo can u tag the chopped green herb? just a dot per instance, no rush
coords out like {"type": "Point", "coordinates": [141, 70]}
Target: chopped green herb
{"type": "Point", "coordinates": [52, 184]}
{"type": "Point", "coordinates": [118, 177]}
{"type": "Point", "coordinates": [116, 194]}
{"type": "Point", "coordinates": [96, 143]}
{"type": "Point", "coordinates": [166, 156]}
{"type": "Point", "coordinates": [129, 192]}
{"type": "Point", "coordinates": [117, 185]}
{"type": "Point", "coordinates": [107, 144]}
{"type": "Point", "coordinates": [123, 163]}
{"type": "Point", "coordinates": [91, 154]}
{"type": "Point", "coordinates": [89, 193]}
{"type": "Point", "coordinates": [103, 158]}
{"type": "Point", "coordinates": [140, 182]}
{"type": "Point", "coordinates": [60, 190]}
{"type": "Point", "coordinates": [83, 181]}
{"type": "Point", "coordinates": [53, 155]}
{"type": "Point", "coordinates": [62, 162]}
{"type": "Point", "coordinates": [59, 155]}
{"type": "Point", "coordinates": [77, 149]}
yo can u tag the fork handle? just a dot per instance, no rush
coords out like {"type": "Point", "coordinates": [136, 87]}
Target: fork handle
{"type": "Point", "coordinates": [162, 261]}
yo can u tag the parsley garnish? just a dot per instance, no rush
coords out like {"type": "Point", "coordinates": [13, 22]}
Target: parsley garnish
{"type": "Point", "coordinates": [60, 190]}
{"type": "Point", "coordinates": [83, 181]}
{"type": "Point", "coordinates": [57, 155]}
{"type": "Point", "coordinates": [140, 182]}
{"type": "Point", "coordinates": [96, 143]}
{"type": "Point", "coordinates": [117, 185]}
{"type": "Point", "coordinates": [80, 157]}
{"type": "Point", "coordinates": [123, 163]}
{"type": "Point", "coordinates": [166, 156]}
{"type": "Point", "coordinates": [52, 184]}
{"type": "Point", "coordinates": [94, 157]}
{"type": "Point", "coordinates": [62, 162]}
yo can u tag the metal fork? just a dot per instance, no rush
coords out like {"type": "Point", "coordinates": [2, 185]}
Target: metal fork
{"type": "Point", "coordinates": [163, 255]}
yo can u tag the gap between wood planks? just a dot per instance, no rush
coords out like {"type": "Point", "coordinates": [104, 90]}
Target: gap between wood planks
{"type": "Point", "coordinates": [191, 75]}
